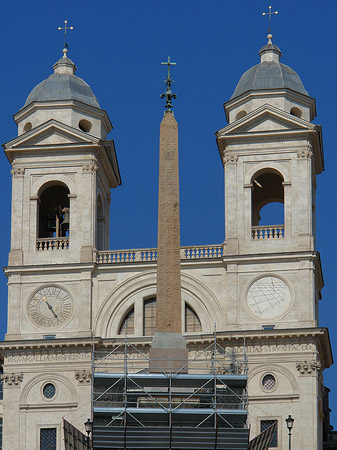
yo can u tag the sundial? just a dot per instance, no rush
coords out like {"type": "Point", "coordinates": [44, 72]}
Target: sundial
{"type": "Point", "coordinates": [268, 297]}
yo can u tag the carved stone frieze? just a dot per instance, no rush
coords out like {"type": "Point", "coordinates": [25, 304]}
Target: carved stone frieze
{"type": "Point", "coordinates": [230, 159]}
{"type": "Point", "coordinates": [305, 153]}
{"type": "Point", "coordinates": [308, 367]}
{"type": "Point", "coordinates": [90, 167]}
{"type": "Point", "coordinates": [12, 379]}
{"type": "Point", "coordinates": [83, 376]}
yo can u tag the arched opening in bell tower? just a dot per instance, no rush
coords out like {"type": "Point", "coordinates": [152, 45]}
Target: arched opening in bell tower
{"type": "Point", "coordinates": [53, 211]}
{"type": "Point", "coordinates": [268, 203]}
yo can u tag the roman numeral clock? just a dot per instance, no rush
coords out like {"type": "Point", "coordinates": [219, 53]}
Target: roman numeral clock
{"type": "Point", "coordinates": [50, 307]}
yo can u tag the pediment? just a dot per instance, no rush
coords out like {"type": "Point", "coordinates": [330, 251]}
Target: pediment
{"type": "Point", "coordinates": [265, 119]}
{"type": "Point", "coordinates": [49, 134]}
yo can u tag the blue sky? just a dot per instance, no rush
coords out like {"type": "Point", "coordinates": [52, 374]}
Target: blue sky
{"type": "Point", "coordinates": [117, 47]}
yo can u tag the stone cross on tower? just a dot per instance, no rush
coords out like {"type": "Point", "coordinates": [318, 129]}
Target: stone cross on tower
{"type": "Point", "coordinates": [168, 349]}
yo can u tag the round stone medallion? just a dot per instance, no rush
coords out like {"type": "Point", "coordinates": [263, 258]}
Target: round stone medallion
{"type": "Point", "coordinates": [268, 297]}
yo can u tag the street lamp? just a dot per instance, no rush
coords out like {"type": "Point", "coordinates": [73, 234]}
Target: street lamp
{"type": "Point", "coordinates": [88, 429]}
{"type": "Point", "coordinates": [290, 423]}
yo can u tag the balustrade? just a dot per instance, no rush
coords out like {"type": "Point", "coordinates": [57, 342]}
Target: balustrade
{"type": "Point", "coordinates": [268, 232]}
{"type": "Point", "coordinates": [150, 255]}
{"type": "Point", "coordinates": [53, 243]}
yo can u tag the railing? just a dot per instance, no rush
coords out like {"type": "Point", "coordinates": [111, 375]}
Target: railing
{"type": "Point", "coordinates": [52, 243]}
{"type": "Point", "coordinates": [268, 232]}
{"type": "Point", "coordinates": [150, 254]}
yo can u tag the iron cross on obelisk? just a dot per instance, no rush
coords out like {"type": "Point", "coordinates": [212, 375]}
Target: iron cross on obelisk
{"type": "Point", "coordinates": [168, 64]}
{"type": "Point", "coordinates": [168, 80]}
{"type": "Point", "coordinates": [269, 13]}
{"type": "Point", "coordinates": [65, 28]}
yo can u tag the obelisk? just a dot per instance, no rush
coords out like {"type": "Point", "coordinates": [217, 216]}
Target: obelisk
{"type": "Point", "coordinates": [168, 350]}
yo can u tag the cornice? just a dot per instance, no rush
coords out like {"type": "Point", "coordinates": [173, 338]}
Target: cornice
{"type": "Point", "coordinates": [244, 338]}
{"type": "Point", "coordinates": [37, 344]}
{"type": "Point", "coordinates": [270, 257]}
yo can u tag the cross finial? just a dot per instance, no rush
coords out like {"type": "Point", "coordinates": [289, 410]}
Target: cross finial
{"type": "Point", "coordinates": [65, 28]}
{"type": "Point", "coordinates": [168, 80]}
{"type": "Point", "coordinates": [269, 13]}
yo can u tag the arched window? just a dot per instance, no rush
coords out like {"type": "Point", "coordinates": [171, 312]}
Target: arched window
{"type": "Point", "coordinates": [149, 316]}
{"type": "Point", "coordinates": [268, 205]}
{"type": "Point", "coordinates": [192, 321]}
{"type": "Point", "coordinates": [128, 323]}
{"type": "Point", "coordinates": [54, 212]}
{"type": "Point", "coordinates": [267, 189]}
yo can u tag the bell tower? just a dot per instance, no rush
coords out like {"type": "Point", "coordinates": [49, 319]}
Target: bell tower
{"type": "Point", "coordinates": [272, 153]}
{"type": "Point", "coordinates": [63, 167]}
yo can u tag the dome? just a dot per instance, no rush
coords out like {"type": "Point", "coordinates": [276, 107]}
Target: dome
{"type": "Point", "coordinates": [63, 85]}
{"type": "Point", "coordinates": [269, 74]}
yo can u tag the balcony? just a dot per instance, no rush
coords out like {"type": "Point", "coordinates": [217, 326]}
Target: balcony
{"type": "Point", "coordinates": [268, 232]}
{"type": "Point", "coordinates": [53, 243]}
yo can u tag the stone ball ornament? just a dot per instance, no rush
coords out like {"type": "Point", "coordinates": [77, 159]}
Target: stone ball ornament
{"type": "Point", "coordinates": [50, 306]}
{"type": "Point", "coordinates": [268, 297]}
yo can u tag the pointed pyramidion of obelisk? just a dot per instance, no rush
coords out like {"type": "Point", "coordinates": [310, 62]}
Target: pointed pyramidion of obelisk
{"type": "Point", "coordinates": [168, 349]}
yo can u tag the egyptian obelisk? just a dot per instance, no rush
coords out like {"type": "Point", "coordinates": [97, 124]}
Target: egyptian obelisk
{"type": "Point", "coordinates": [168, 349]}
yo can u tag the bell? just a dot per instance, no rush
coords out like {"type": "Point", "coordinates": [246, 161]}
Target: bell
{"type": "Point", "coordinates": [65, 221]}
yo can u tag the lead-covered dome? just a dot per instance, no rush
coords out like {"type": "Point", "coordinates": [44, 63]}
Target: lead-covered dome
{"type": "Point", "coordinates": [63, 85]}
{"type": "Point", "coordinates": [269, 74]}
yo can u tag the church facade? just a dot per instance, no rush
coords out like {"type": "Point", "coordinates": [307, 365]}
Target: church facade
{"type": "Point", "coordinates": [259, 289]}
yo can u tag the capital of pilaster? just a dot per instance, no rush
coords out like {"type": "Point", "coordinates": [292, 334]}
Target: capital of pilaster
{"type": "Point", "coordinates": [83, 376]}
{"type": "Point", "coordinates": [305, 153]}
{"type": "Point", "coordinates": [229, 159]}
{"type": "Point", "coordinates": [91, 167]}
{"type": "Point", "coordinates": [308, 367]}
{"type": "Point", "coordinates": [12, 379]}
{"type": "Point", "coordinates": [17, 172]}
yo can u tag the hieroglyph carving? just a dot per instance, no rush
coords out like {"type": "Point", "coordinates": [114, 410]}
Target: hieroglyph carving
{"type": "Point", "coordinates": [308, 367]}
{"type": "Point", "coordinates": [12, 379]}
{"type": "Point", "coordinates": [83, 376]}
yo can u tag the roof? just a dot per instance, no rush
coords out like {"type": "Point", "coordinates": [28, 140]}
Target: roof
{"type": "Point", "coordinates": [269, 74]}
{"type": "Point", "coordinates": [63, 85]}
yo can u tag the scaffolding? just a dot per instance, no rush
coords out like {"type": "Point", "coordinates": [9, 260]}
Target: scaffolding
{"type": "Point", "coordinates": [203, 405]}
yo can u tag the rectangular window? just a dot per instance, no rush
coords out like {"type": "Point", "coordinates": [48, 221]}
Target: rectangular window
{"type": "Point", "coordinates": [266, 424]}
{"type": "Point", "coordinates": [48, 439]}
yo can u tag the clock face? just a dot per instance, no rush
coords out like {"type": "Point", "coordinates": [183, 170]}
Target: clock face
{"type": "Point", "coordinates": [50, 306]}
{"type": "Point", "coordinates": [268, 297]}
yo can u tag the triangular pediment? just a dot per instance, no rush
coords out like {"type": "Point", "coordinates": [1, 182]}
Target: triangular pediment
{"type": "Point", "coordinates": [265, 119]}
{"type": "Point", "coordinates": [51, 133]}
